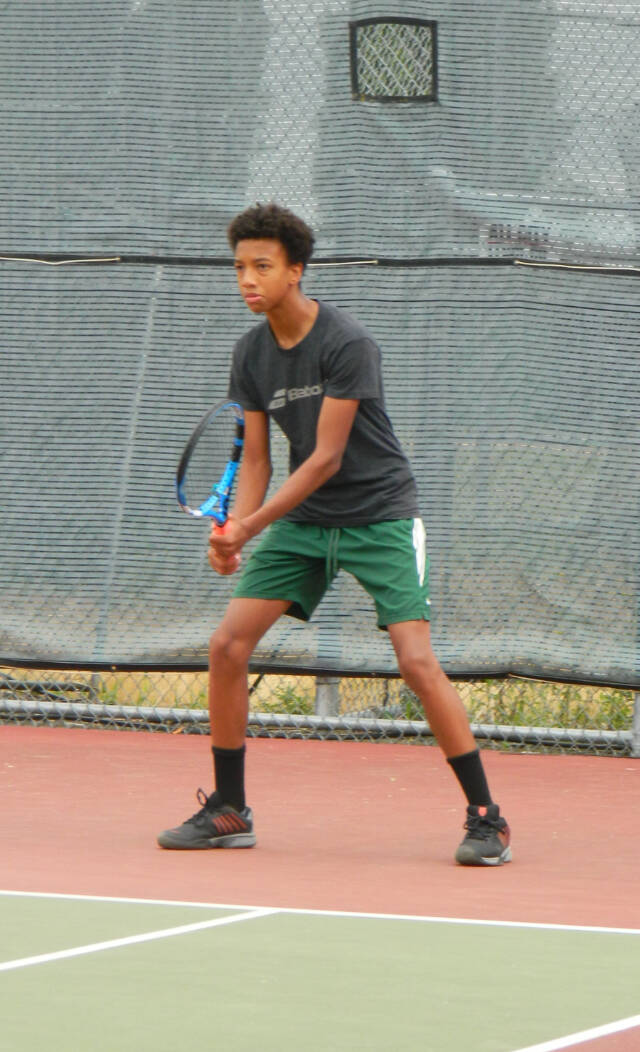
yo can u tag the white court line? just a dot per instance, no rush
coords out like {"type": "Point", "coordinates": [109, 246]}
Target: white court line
{"type": "Point", "coordinates": [471, 921]}
{"type": "Point", "coordinates": [132, 940]}
{"type": "Point", "coordinates": [584, 1035]}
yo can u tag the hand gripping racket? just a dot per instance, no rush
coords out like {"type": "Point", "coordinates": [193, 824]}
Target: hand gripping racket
{"type": "Point", "coordinates": [209, 464]}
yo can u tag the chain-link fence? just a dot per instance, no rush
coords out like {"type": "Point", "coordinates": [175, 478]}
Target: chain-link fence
{"type": "Point", "coordinates": [509, 714]}
{"type": "Point", "coordinates": [435, 150]}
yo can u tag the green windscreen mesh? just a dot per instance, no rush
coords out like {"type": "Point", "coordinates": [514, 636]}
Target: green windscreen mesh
{"type": "Point", "coordinates": [472, 172]}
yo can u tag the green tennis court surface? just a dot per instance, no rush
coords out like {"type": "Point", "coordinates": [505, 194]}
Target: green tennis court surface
{"type": "Point", "coordinates": [100, 974]}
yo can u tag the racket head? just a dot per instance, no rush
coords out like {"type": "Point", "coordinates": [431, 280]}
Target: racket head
{"type": "Point", "coordinates": [209, 463]}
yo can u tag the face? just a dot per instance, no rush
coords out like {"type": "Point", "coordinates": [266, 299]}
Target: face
{"type": "Point", "coordinates": [265, 276]}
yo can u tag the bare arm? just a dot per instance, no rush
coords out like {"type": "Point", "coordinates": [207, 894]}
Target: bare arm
{"type": "Point", "coordinates": [255, 466]}
{"type": "Point", "coordinates": [334, 426]}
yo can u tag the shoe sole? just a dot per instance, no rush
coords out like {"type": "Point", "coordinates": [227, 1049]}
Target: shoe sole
{"type": "Point", "coordinates": [235, 840]}
{"type": "Point", "coordinates": [466, 856]}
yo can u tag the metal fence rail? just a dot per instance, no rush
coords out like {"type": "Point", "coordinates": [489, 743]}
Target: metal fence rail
{"type": "Point", "coordinates": [507, 714]}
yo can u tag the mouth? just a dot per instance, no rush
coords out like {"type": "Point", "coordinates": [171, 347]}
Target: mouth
{"type": "Point", "coordinates": [252, 298]}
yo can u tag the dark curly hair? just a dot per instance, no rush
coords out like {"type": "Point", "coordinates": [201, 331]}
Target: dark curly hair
{"type": "Point", "coordinates": [276, 223]}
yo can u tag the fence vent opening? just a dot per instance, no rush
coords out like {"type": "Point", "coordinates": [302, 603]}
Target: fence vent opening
{"type": "Point", "coordinates": [394, 60]}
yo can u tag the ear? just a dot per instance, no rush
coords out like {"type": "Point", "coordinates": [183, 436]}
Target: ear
{"type": "Point", "coordinates": [296, 270]}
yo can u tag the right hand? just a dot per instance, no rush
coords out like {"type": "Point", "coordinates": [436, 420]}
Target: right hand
{"type": "Point", "coordinates": [222, 563]}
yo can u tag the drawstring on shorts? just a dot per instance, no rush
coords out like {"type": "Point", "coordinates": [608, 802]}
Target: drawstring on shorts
{"type": "Point", "coordinates": [331, 563]}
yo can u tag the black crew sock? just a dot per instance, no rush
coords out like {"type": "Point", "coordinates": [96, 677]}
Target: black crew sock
{"type": "Point", "coordinates": [469, 771]}
{"type": "Point", "coordinates": [228, 766]}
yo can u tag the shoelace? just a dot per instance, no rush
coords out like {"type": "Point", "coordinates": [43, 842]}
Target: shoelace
{"type": "Point", "coordinates": [203, 799]}
{"type": "Point", "coordinates": [482, 827]}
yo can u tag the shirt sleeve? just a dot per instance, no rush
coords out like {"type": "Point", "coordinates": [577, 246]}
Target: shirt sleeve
{"type": "Point", "coordinates": [241, 387]}
{"type": "Point", "coordinates": [354, 370]}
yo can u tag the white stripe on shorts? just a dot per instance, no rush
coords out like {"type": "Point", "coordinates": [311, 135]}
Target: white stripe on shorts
{"type": "Point", "coordinates": [420, 547]}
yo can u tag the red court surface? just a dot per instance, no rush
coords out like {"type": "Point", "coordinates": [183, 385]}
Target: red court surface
{"type": "Point", "coordinates": [341, 826]}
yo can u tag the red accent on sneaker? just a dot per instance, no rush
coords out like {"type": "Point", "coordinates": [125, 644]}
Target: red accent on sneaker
{"type": "Point", "coordinates": [229, 823]}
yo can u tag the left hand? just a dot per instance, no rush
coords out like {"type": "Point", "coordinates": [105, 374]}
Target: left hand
{"type": "Point", "coordinates": [225, 566]}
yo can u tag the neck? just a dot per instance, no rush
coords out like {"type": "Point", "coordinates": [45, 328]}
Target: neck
{"type": "Point", "coordinates": [290, 321]}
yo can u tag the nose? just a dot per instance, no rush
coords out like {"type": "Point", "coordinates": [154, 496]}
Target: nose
{"type": "Point", "coordinates": [247, 281]}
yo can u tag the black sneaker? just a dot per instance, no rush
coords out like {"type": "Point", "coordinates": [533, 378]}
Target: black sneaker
{"type": "Point", "coordinates": [487, 840]}
{"type": "Point", "coordinates": [214, 825]}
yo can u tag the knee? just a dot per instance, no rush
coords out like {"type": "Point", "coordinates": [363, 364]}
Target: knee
{"type": "Point", "coordinates": [418, 666]}
{"type": "Point", "coordinates": [227, 648]}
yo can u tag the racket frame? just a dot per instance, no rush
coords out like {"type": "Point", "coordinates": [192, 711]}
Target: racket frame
{"type": "Point", "coordinates": [216, 505]}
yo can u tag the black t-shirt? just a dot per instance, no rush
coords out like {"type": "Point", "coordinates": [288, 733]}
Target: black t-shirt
{"type": "Point", "coordinates": [337, 358]}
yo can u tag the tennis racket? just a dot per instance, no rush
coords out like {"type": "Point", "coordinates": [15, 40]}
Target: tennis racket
{"type": "Point", "coordinates": [209, 464]}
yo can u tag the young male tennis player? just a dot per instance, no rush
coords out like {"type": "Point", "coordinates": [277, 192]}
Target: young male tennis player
{"type": "Point", "coordinates": [350, 502]}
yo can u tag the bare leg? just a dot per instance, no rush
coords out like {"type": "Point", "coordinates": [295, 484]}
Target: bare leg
{"type": "Point", "coordinates": [231, 646]}
{"type": "Point", "coordinates": [224, 820]}
{"type": "Point", "coordinates": [421, 671]}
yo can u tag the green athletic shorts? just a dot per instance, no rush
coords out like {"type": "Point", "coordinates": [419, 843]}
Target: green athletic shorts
{"type": "Point", "coordinates": [298, 561]}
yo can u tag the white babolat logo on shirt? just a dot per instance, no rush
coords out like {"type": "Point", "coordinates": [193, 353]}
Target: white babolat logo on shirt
{"type": "Point", "coordinates": [283, 396]}
{"type": "Point", "coordinates": [278, 400]}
